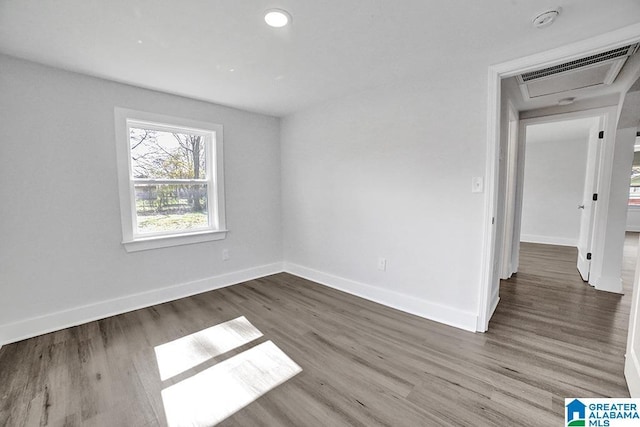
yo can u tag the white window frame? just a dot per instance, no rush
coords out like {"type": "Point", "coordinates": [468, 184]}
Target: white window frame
{"type": "Point", "coordinates": [636, 148]}
{"type": "Point", "coordinates": [131, 239]}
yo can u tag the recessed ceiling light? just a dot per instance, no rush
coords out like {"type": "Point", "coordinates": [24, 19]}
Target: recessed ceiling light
{"type": "Point", "coordinates": [277, 18]}
{"type": "Point", "coordinates": [566, 101]}
{"type": "Point", "coordinates": [546, 18]}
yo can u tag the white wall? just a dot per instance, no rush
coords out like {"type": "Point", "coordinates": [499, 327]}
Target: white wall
{"type": "Point", "coordinates": [622, 138]}
{"type": "Point", "coordinates": [554, 177]}
{"type": "Point", "coordinates": [609, 277]}
{"type": "Point", "coordinates": [387, 173]}
{"type": "Point", "coordinates": [61, 260]}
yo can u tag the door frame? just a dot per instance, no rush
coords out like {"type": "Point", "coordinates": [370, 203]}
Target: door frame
{"type": "Point", "coordinates": [605, 116]}
{"type": "Point", "coordinates": [607, 41]}
{"type": "Point", "coordinates": [632, 362]}
{"type": "Point", "coordinates": [512, 159]}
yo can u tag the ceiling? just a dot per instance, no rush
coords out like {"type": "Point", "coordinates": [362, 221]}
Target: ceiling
{"type": "Point", "coordinates": [221, 51]}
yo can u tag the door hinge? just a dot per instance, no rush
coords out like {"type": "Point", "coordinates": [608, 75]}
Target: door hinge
{"type": "Point", "coordinates": [493, 220]}
{"type": "Point", "coordinates": [595, 197]}
{"type": "Point", "coordinates": [601, 134]}
{"type": "Point", "coordinates": [588, 255]}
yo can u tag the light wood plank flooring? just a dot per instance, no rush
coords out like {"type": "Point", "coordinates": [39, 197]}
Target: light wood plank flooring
{"type": "Point", "coordinates": [362, 364]}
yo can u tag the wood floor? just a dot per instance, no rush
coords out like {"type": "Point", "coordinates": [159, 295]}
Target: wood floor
{"type": "Point", "coordinates": [362, 364]}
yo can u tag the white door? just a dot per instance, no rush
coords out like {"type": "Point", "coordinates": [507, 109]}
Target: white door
{"type": "Point", "coordinates": [632, 362]}
{"type": "Point", "coordinates": [588, 205]}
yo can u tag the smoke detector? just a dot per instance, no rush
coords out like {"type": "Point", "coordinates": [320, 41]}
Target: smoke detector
{"type": "Point", "coordinates": [546, 18]}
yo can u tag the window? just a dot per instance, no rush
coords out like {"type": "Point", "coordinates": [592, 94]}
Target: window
{"type": "Point", "coordinates": [170, 180]}
{"type": "Point", "coordinates": [634, 186]}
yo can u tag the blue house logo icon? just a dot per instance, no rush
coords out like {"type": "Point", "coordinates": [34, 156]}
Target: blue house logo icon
{"type": "Point", "coordinates": [576, 413]}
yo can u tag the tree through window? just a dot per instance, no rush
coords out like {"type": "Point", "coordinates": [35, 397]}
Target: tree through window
{"type": "Point", "coordinates": [173, 178]}
{"type": "Point", "coordinates": [634, 187]}
{"type": "Point", "coordinates": [169, 174]}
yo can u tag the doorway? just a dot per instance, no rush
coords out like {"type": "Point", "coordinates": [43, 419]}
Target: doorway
{"type": "Point", "coordinates": [560, 182]}
{"type": "Point", "coordinates": [487, 300]}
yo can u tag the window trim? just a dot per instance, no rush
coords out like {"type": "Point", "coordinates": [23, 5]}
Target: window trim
{"type": "Point", "coordinates": [131, 239]}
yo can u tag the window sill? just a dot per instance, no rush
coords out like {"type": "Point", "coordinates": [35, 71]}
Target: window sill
{"type": "Point", "coordinates": [156, 242]}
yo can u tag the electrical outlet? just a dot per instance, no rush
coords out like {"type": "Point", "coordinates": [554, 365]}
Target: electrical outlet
{"type": "Point", "coordinates": [382, 264]}
{"type": "Point", "coordinates": [225, 254]}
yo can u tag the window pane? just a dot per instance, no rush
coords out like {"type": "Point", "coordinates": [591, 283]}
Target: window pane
{"type": "Point", "coordinates": [634, 190]}
{"type": "Point", "coordinates": [634, 196]}
{"type": "Point", "coordinates": [166, 155]}
{"type": "Point", "coordinates": [171, 207]}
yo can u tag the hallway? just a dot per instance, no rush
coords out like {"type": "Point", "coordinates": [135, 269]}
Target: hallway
{"type": "Point", "coordinates": [574, 337]}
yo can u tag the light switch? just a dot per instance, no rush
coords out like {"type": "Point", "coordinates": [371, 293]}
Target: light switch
{"type": "Point", "coordinates": [477, 184]}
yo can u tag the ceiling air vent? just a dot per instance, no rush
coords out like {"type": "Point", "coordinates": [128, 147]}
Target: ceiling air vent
{"type": "Point", "coordinates": [594, 70]}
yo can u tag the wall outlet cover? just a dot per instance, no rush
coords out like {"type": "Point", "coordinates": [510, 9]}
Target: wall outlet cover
{"type": "Point", "coordinates": [477, 184]}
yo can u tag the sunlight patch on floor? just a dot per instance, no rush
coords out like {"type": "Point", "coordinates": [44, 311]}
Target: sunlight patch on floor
{"type": "Point", "coordinates": [184, 353]}
{"type": "Point", "coordinates": [214, 394]}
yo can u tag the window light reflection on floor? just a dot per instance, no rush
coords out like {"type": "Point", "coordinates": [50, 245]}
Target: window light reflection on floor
{"type": "Point", "coordinates": [208, 397]}
{"type": "Point", "coordinates": [214, 394]}
{"type": "Point", "coordinates": [184, 353]}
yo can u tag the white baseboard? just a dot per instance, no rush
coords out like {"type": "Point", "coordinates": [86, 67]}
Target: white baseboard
{"type": "Point", "coordinates": [549, 240]}
{"type": "Point", "coordinates": [632, 374]}
{"type": "Point", "coordinates": [608, 284]}
{"type": "Point", "coordinates": [34, 326]}
{"type": "Point", "coordinates": [420, 307]}
{"type": "Point", "coordinates": [495, 298]}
